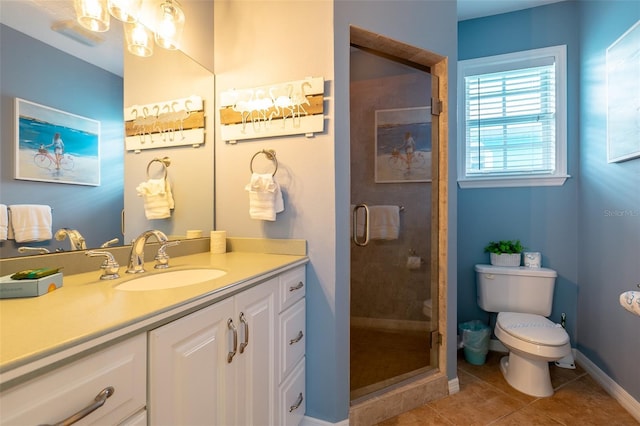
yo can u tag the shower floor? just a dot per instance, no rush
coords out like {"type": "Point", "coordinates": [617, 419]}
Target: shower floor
{"type": "Point", "coordinates": [381, 358]}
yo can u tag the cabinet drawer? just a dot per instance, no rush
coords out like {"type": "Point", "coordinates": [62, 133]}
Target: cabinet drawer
{"type": "Point", "coordinates": [62, 392]}
{"type": "Point", "coordinates": [292, 338]}
{"type": "Point", "coordinates": [292, 397]}
{"type": "Point", "coordinates": [292, 287]}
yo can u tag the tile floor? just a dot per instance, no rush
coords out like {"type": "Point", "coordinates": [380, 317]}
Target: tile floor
{"type": "Point", "coordinates": [485, 398]}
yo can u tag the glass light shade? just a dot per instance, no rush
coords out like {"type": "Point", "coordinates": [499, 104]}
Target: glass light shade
{"type": "Point", "coordinates": [125, 10]}
{"type": "Point", "coordinates": [169, 25]}
{"type": "Point", "coordinates": [92, 14]}
{"type": "Point", "coordinates": [139, 39]}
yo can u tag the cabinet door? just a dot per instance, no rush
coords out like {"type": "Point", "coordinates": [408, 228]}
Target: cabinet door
{"type": "Point", "coordinates": [62, 392]}
{"type": "Point", "coordinates": [190, 380]}
{"type": "Point", "coordinates": [255, 362]}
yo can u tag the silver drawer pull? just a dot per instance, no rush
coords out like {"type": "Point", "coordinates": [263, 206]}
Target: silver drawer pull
{"type": "Point", "coordinates": [99, 401]}
{"type": "Point", "coordinates": [245, 324]}
{"type": "Point", "coordinates": [233, 329]}
{"type": "Point", "coordinates": [297, 404]}
{"type": "Point", "coordinates": [297, 286]}
{"type": "Point", "coordinates": [297, 338]}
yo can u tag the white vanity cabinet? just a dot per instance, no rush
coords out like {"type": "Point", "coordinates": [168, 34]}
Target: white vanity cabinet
{"type": "Point", "coordinates": [65, 391]}
{"type": "Point", "coordinates": [291, 347]}
{"type": "Point", "coordinates": [216, 366]}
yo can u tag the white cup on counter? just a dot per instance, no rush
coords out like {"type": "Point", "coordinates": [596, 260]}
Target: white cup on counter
{"type": "Point", "coordinates": [218, 243]}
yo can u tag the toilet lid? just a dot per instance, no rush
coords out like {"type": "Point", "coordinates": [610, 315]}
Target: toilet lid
{"type": "Point", "coordinates": [533, 328]}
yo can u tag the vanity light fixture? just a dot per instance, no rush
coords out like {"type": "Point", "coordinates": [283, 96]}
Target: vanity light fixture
{"type": "Point", "coordinates": [139, 39]}
{"type": "Point", "coordinates": [127, 11]}
{"type": "Point", "coordinates": [92, 14]}
{"type": "Point", "coordinates": [169, 24]}
{"type": "Point", "coordinates": [165, 25]}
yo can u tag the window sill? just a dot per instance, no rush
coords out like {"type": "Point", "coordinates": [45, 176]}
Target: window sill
{"type": "Point", "coordinates": [510, 182]}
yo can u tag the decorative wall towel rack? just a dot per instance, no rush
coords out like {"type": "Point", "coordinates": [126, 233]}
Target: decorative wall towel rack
{"type": "Point", "coordinates": [270, 154]}
{"type": "Point", "coordinates": [165, 161]}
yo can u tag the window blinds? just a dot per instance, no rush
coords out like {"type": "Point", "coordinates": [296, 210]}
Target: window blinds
{"type": "Point", "coordinates": [510, 122]}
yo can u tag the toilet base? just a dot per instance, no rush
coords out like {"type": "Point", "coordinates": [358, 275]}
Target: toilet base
{"type": "Point", "coordinates": [527, 375]}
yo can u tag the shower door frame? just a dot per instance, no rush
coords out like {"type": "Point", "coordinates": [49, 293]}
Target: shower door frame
{"type": "Point", "coordinates": [437, 66]}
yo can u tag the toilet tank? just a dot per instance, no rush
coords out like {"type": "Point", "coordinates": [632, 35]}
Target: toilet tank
{"type": "Point", "coordinates": [515, 289]}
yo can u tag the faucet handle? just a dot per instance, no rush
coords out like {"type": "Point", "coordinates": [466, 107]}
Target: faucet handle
{"type": "Point", "coordinates": [110, 243]}
{"type": "Point", "coordinates": [162, 258]}
{"type": "Point", "coordinates": [109, 266]}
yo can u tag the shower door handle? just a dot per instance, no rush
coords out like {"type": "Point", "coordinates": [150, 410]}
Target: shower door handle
{"type": "Point", "coordinates": [354, 226]}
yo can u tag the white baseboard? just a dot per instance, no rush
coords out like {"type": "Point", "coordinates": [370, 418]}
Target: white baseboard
{"type": "Point", "coordinates": [310, 421]}
{"type": "Point", "coordinates": [612, 388]}
{"type": "Point", "coordinates": [454, 386]}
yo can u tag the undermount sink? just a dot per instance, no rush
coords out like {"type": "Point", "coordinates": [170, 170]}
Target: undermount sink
{"type": "Point", "coordinates": [630, 300]}
{"type": "Point", "coordinates": [171, 279]}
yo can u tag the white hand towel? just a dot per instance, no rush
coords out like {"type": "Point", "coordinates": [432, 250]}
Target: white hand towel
{"type": "Point", "coordinates": [384, 222]}
{"type": "Point", "coordinates": [31, 222]}
{"type": "Point", "coordinates": [4, 222]}
{"type": "Point", "coordinates": [158, 199]}
{"type": "Point", "coordinates": [265, 197]}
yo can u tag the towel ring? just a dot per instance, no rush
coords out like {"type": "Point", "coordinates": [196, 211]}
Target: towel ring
{"type": "Point", "coordinates": [270, 154]}
{"type": "Point", "coordinates": [165, 161]}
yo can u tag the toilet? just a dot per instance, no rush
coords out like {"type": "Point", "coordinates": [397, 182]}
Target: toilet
{"type": "Point", "coordinates": [523, 298]}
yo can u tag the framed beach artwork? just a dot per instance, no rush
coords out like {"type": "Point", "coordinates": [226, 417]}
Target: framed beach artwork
{"type": "Point", "coordinates": [55, 146]}
{"type": "Point", "coordinates": [403, 145]}
{"type": "Point", "coordinates": [623, 97]}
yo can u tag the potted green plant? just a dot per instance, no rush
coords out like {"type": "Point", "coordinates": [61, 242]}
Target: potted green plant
{"type": "Point", "coordinates": [505, 252]}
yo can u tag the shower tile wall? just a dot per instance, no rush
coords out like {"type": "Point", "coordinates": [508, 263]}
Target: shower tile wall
{"type": "Point", "coordinates": [382, 287]}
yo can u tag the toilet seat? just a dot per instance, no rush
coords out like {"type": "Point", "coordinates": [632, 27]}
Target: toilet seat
{"type": "Point", "coordinates": [532, 328]}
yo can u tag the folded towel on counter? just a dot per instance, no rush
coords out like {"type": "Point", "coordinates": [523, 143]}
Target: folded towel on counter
{"type": "Point", "coordinates": [265, 197]}
{"type": "Point", "coordinates": [4, 222]}
{"type": "Point", "coordinates": [158, 199]}
{"type": "Point", "coordinates": [31, 222]}
{"type": "Point", "coordinates": [384, 222]}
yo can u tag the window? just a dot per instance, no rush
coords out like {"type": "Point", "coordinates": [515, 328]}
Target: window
{"type": "Point", "coordinates": [512, 119]}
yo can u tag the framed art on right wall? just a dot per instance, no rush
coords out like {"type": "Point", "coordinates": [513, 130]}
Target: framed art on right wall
{"type": "Point", "coordinates": [623, 97]}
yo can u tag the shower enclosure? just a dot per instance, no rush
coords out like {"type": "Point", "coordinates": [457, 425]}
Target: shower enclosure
{"type": "Point", "coordinates": [393, 297]}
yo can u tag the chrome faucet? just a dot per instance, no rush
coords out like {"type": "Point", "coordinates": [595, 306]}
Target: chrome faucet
{"type": "Point", "coordinates": [76, 240]}
{"type": "Point", "coordinates": [136, 260]}
{"type": "Point", "coordinates": [109, 243]}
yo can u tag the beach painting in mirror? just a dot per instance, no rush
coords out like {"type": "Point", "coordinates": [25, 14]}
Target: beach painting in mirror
{"type": "Point", "coordinates": [56, 146]}
{"type": "Point", "coordinates": [403, 145]}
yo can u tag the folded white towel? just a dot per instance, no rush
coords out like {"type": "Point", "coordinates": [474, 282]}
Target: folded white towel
{"type": "Point", "coordinates": [31, 222]}
{"type": "Point", "coordinates": [265, 197]}
{"type": "Point", "coordinates": [158, 199]}
{"type": "Point", "coordinates": [4, 222]}
{"type": "Point", "coordinates": [384, 222]}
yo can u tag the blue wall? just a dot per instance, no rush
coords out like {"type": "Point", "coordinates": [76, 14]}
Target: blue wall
{"type": "Point", "coordinates": [589, 229]}
{"type": "Point", "coordinates": [544, 219]}
{"type": "Point", "coordinates": [609, 209]}
{"type": "Point", "coordinates": [50, 77]}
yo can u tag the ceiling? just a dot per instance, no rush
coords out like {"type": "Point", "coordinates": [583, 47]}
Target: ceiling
{"type": "Point", "coordinates": [35, 17]}
{"type": "Point", "coordinates": [469, 9]}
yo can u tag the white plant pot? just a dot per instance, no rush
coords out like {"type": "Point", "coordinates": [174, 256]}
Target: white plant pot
{"type": "Point", "coordinates": [506, 259]}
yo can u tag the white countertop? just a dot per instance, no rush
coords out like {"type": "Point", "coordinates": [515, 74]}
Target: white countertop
{"type": "Point", "coordinates": [88, 312]}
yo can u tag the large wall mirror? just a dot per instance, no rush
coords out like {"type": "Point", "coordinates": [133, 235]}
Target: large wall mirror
{"type": "Point", "coordinates": [55, 77]}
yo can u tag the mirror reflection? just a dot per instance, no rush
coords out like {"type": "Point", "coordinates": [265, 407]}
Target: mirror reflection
{"type": "Point", "coordinates": [111, 213]}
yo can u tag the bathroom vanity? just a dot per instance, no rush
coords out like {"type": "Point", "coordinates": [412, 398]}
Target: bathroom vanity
{"type": "Point", "coordinates": [227, 351]}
